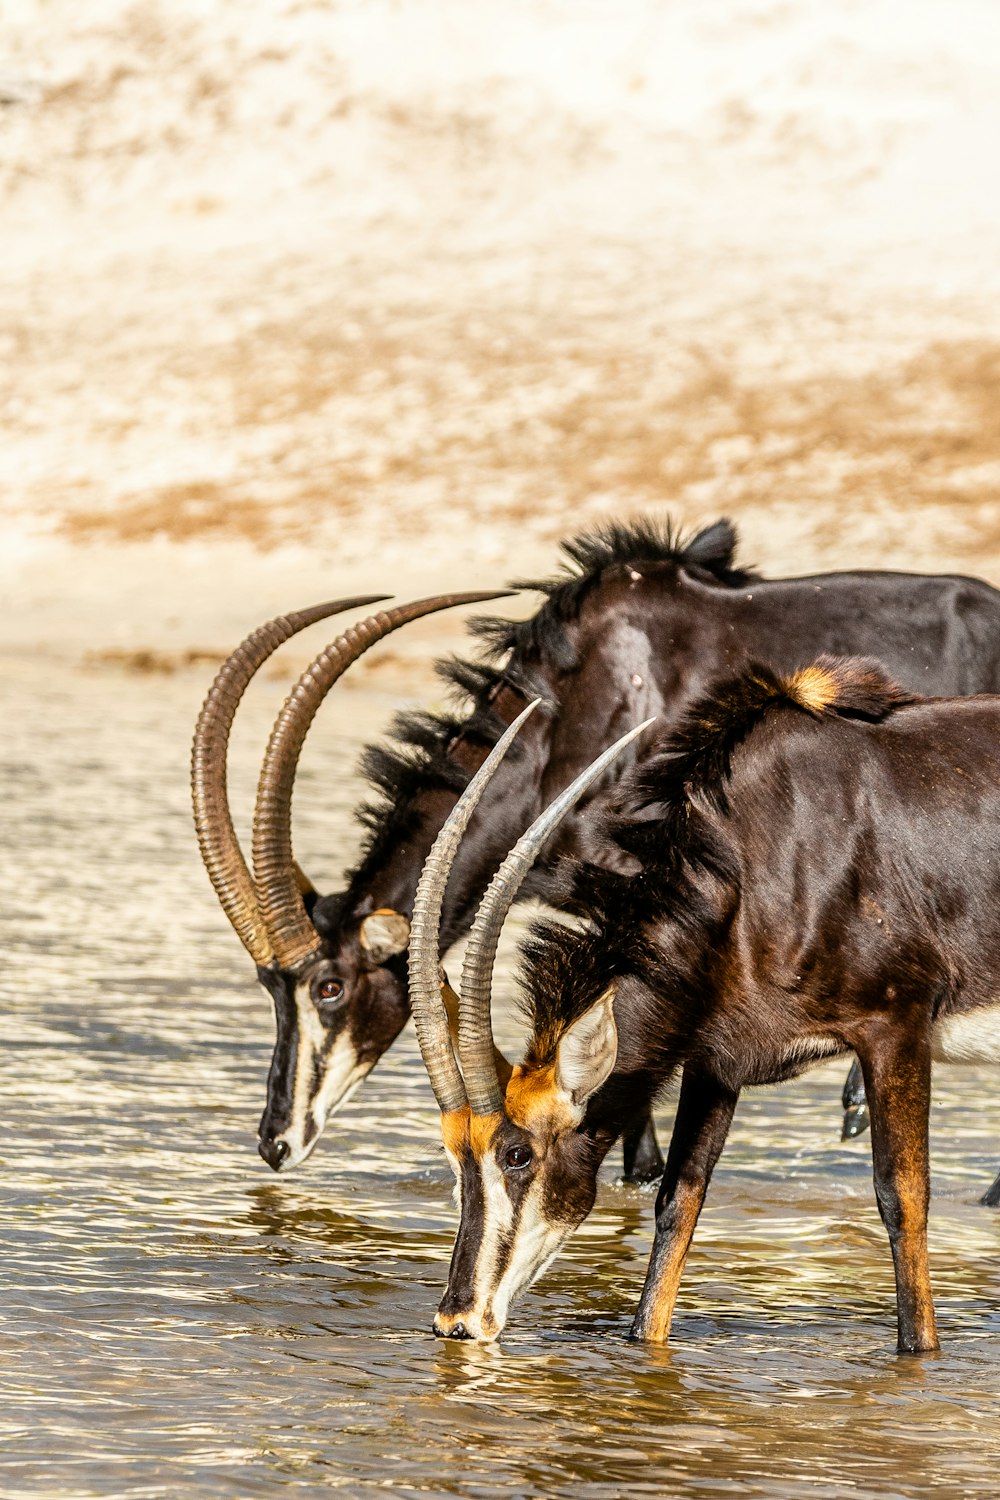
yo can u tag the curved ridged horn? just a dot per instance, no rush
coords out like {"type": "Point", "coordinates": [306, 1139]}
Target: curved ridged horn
{"type": "Point", "coordinates": [475, 1028]}
{"type": "Point", "coordinates": [220, 850]}
{"type": "Point", "coordinates": [293, 937]}
{"type": "Point", "coordinates": [429, 1014]}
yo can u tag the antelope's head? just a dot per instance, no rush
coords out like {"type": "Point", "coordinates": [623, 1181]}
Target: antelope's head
{"type": "Point", "coordinates": [337, 978]}
{"type": "Point", "coordinates": [336, 1013]}
{"type": "Point", "coordinates": [524, 1159]}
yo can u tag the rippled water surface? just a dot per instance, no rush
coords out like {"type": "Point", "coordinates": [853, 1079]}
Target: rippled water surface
{"type": "Point", "coordinates": [179, 1322]}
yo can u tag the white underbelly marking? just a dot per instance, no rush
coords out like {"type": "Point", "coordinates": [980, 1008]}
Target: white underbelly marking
{"type": "Point", "coordinates": [810, 1049]}
{"type": "Point", "coordinates": [971, 1036]}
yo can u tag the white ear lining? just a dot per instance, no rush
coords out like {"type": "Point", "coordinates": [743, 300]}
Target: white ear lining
{"type": "Point", "coordinates": [384, 934]}
{"type": "Point", "coordinates": [588, 1050]}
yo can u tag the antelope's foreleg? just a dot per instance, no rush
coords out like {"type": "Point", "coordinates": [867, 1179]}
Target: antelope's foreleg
{"type": "Point", "coordinates": [897, 1069]}
{"type": "Point", "coordinates": [704, 1114]}
{"type": "Point", "coordinates": [641, 1156]}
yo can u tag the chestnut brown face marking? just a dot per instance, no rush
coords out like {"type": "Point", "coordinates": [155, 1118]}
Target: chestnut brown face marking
{"type": "Point", "coordinates": [502, 1240]}
{"type": "Point", "coordinates": [534, 1102]}
{"type": "Point", "coordinates": [636, 609]}
{"type": "Point", "coordinates": [526, 1179]}
{"type": "Point", "coordinates": [786, 809]}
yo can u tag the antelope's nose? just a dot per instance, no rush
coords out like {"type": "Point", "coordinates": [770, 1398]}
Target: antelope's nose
{"type": "Point", "coordinates": [273, 1152]}
{"type": "Point", "coordinates": [456, 1331]}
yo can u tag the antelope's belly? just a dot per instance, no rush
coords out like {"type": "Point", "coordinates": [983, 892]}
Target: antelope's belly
{"type": "Point", "coordinates": [791, 1058]}
{"type": "Point", "coordinates": [970, 1036]}
{"type": "Point", "coordinates": [809, 1049]}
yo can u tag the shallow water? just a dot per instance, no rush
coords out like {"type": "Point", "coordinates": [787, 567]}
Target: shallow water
{"type": "Point", "coordinates": [180, 1322]}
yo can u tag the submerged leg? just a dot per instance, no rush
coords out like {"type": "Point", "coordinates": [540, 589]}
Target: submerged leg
{"type": "Point", "coordinates": [704, 1114]}
{"type": "Point", "coordinates": [641, 1153]}
{"type": "Point", "coordinates": [992, 1198]}
{"type": "Point", "coordinates": [897, 1068]}
{"type": "Point", "coordinates": [855, 1104]}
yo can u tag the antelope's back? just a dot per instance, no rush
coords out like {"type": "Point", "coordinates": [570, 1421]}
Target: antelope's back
{"type": "Point", "coordinates": [867, 845]}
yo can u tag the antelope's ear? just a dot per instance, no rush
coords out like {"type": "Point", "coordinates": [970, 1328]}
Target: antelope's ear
{"type": "Point", "coordinates": [384, 934]}
{"type": "Point", "coordinates": [587, 1051]}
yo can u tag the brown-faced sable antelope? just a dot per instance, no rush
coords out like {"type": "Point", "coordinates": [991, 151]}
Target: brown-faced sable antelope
{"type": "Point", "coordinates": [637, 628]}
{"type": "Point", "coordinates": [816, 869]}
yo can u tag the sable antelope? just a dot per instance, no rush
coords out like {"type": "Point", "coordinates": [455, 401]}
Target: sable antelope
{"type": "Point", "coordinates": [816, 871]}
{"type": "Point", "coordinates": [639, 626]}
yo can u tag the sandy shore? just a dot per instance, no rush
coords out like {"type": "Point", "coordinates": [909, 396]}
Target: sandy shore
{"type": "Point", "coordinates": [302, 300]}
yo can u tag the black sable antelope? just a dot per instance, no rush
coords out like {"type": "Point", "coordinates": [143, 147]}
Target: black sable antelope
{"type": "Point", "coordinates": [817, 870]}
{"type": "Point", "coordinates": [638, 627]}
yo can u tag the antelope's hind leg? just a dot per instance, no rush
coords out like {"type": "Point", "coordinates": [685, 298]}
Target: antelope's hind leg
{"type": "Point", "coordinates": [855, 1104]}
{"type": "Point", "coordinates": [704, 1114]}
{"type": "Point", "coordinates": [641, 1158]}
{"type": "Point", "coordinates": [897, 1069]}
{"type": "Point", "coordinates": [856, 1123]}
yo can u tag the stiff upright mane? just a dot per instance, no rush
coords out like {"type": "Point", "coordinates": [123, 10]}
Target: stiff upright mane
{"type": "Point", "coordinates": [685, 864]}
{"type": "Point", "coordinates": [698, 755]}
{"type": "Point", "coordinates": [709, 555]}
{"type": "Point", "coordinates": [418, 758]}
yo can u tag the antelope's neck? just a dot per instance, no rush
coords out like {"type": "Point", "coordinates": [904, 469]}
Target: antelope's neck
{"type": "Point", "coordinates": [511, 801]}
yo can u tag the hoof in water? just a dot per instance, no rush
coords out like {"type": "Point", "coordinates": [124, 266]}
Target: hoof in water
{"type": "Point", "coordinates": [642, 1159]}
{"type": "Point", "coordinates": [642, 1172]}
{"type": "Point", "coordinates": [855, 1122]}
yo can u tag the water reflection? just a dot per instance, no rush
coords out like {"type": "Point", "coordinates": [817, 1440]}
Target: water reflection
{"type": "Point", "coordinates": [179, 1322]}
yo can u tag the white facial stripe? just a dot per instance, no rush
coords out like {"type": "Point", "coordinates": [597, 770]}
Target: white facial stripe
{"type": "Point", "coordinates": [456, 1167]}
{"type": "Point", "coordinates": [972, 1036]}
{"type": "Point", "coordinates": [342, 1073]}
{"type": "Point", "coordinates": [502, 1269]}
{"type": "Point", "coordinates": [536, 1242]}
{"type": "Point", "coordinates": [498, 1219]}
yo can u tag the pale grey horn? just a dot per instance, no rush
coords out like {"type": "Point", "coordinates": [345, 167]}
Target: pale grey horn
{"type": "Point", "coordinates": [475, 1027]}
{"type": "Point", "coordinates": [429, 1015]}
{"type": "Point", "coordinates": [220, 849]}
{"type": "Point", "coordinates": [293, 937]}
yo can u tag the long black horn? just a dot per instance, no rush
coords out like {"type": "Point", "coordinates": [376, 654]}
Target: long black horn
{"type": "Point", "coordinates": [429, 1014]}
{"type": "Point", "coordinates": [475, 1027]}
{"type": "Point", "coordinates": [220, 850]}
{"type": "Point", "coordinates": [292, 936]}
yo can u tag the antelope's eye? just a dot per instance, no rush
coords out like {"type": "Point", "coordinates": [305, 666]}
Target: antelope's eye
{"type": "Point", "coordinates": [517, 1157]}
{"type": "Point", "coordinates": [329, 989]}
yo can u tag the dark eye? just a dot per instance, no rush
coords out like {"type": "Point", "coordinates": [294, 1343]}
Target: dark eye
{"type": "Point", "coordinates": [517, 1157]}
{"type": "Point", "coordinates": [329, 989]}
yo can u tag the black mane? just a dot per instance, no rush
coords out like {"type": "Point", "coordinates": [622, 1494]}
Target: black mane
{"type": "Point", "coordinates": [684, 862]}
{"type": "Point", "coordinates": [417, 758]}
{"type": "Point", "coordinates": [698, 754]}
{"type": "Point", "coordinates": [709, 555]}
